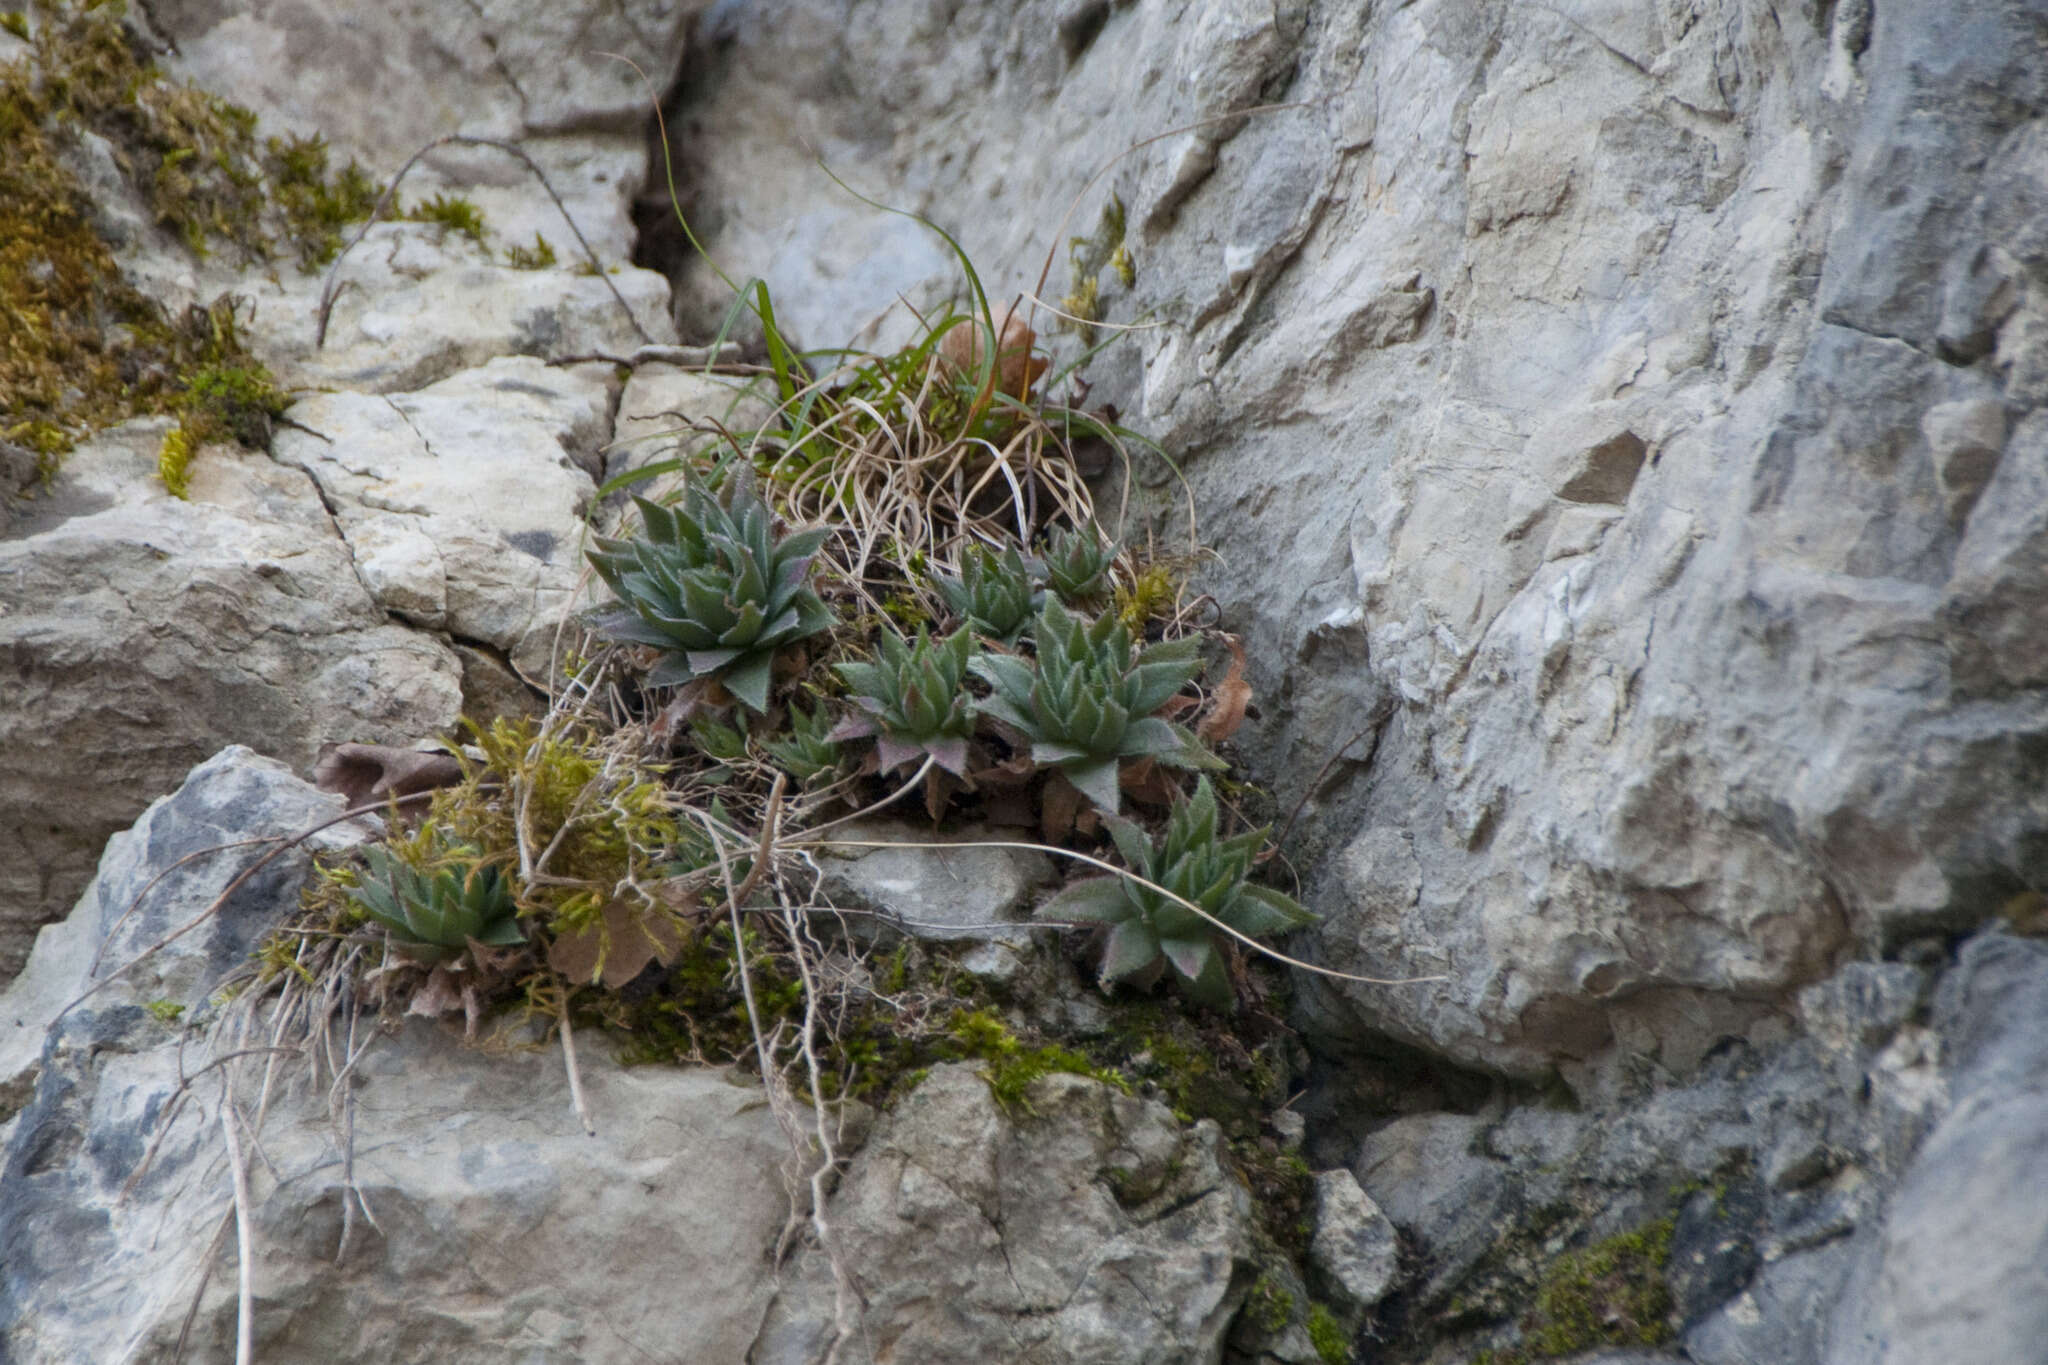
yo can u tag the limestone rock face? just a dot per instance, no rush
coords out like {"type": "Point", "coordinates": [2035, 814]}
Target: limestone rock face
{"type": "Point", "coordinates": [1636, 400]}
{"type": "Point", "coordinates": [463, 503]}
{"type": "Point", "coordinates": [1093, 1228]}
{"type": "Point", "coordinates": [381, 80]}
{"type": "Point", "coordinates": [482, 1223]}
{"type": "Point", "coordinates": [141, 633]}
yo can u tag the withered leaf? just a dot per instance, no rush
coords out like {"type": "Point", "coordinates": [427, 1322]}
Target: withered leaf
{"type": "Point", "coordinates": [1059, 803]}
{"type": "Point", "coordinates": [1226, 707]}
{"type": "Point", "coordinates": [365, 774]}
{"type": "Point", "coordinates": [628, 938]}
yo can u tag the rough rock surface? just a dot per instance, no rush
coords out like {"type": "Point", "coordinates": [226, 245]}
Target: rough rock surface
{"type": "Point", "coordinates": [1091, 1228]}
{"type": "Point", "coordinates": [142, 633]}
{"type": "Point", "coordinates": [904, 875]}
{"type": "Point", "coordinates": [1852, 1197]}
{"type": "Point", "coordinates": [1626, 419]}
{"type": "Point", "coordinates": [1088, 1226]}
{"type": "Point", "coordinates": [463, 503]}
{"type": "Point", "coordinates": [1637, 397]}
{"type": "Point", "coordinates": [490, 1225]}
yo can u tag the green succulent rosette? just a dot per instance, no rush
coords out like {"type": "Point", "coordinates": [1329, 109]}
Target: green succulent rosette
{"type": "Point", "coordinates": [995, 593]}
{"type": "Point", "coordinates": [1077, 563]}
{"type": "Point", "coordinates": [1147, 928]}
{"type": "Point", "coordinates": [1087, 704]}
{"type": "Point", "coordinates": [435, 915]}
{"type": "Point", "coordinates": [913, 699]}
{"type": "Point", "coordinates": [712, 586]}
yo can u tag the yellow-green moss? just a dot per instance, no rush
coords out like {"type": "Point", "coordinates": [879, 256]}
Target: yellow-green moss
{"type": "Point", "coordinates": [1086, 259]}
{"type": "Point", "coordinates": [174, 461]}
{"type": "Point", "coordinates": [539, 256]}
{"type": "Point", "coordinates": [1271, 1308]}
{"type": "Point", "coordinates": [453, 212]}
{"type": "Point", "coordinates": [1154, 593]}
{"type": "Point", "coordinates": [1612, 1293]}
{"type": "Point", "coordinates": [1327, 1335]}
{"type": "Point", "coordinates": [316, 202]}
{"type": "Point", "coordinates": [1011, 1066]}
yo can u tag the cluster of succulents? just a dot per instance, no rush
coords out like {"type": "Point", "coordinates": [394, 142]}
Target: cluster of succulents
{"type": "Point", "coordinates": [913, 700]}
{"type": "Point", "coordinates": [434, 915]}
{"type": "Point", "coordinates": [711, 585]}
{"type": "Point", "coordinates": [1088, 704]}
{"type": "Point", "coordinates": [1150, 919]}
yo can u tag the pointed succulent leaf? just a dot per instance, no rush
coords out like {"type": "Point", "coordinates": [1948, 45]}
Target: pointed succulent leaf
{"type": "Point", "coordinates": [1151, 737]}
{"type": "Point", "coordinates": [623, 623]}
{"type": "Point", "coordinates": [1092, 900]}
{"type": "Point", "coordinates": [747, 679]}
{"type": "Point", "coordinates": [863, 679]}
{"type": "Point", "coordinates": [1010, 676]}
{"type": "Point", "coordinates": [1096, 781]}
{"type": "Point", "coordinates": [1209, 986]}
{"type": "Point", "coordinates": [1045, 751]}
{"type": "Point", "coordinates": [1006, 711]}
{"type": "Point", "coordinates": [672, 671]}
{"type": "Point", "coordinates": [1132, 843]}
{"type": "Point", "coordinates": [1261, 910]}
{"type": "Point", "coordinates": [1132, 947]}
{"type": "Point", "coordinates": [1152, 684]}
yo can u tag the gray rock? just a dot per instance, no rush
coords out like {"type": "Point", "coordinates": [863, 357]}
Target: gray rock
{"type": "Point", "coordinates": [382, 80]}
{"type": "Point", "coordinates": [1354, 1247]}
{"type": "Point", "coordinates": [666, 413]}
{"type": "Point", "coordinates": [925, 886]}
{"type": "Point", "coordinates": [1959, 1273]}
{"type": "Point", "coordinates": [143, 633]}
{"type": "Point", "coordinates": [1427, 1177]}
{"type": "Point", "coordinates": [144, 891]}
{"type": "Point", "coordinates": [1781, 1319]}
{"type": "Point", "coordinates": [463, 503]}
{"type": "Point", "coordinates": [1092, 1227]}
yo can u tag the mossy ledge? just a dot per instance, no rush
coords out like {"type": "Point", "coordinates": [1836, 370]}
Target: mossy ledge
{"type": "Point", "coordinates": [81, 347]}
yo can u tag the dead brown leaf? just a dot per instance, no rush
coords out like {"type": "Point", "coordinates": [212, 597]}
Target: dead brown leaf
{"type": "Point", "coordinates": [365, 774]}
{"type": "Point", "coordinates": [1147, 784]}
{"type": "Point", "coordinates": [1059, 803]}
{"type": "Point", "coordinates": [1016, 369]}
{"type": "Point", "coordinates": [439, 994]}
{"type": "Point", "coordinates": [627, 940]}
{"type": "Point", "coordinates": [1232, 695]}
